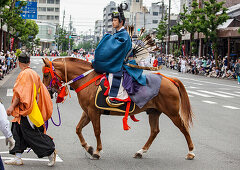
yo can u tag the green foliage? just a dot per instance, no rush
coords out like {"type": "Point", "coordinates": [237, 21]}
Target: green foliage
{"type": "Point", "coordinates": [162, 29]}
{"type": "Point", "coordinates": [3, 3]}
{"type": "Point", "coordinates": [177, 53]}
{"type": "Point", "coordinates": [64, 54]}
{"type": "Point", "coordinates": [239, 30]}
{"type": "Point", "coordinates": [61, 39]}
{"type": "Point", "coordinates": [87, 46]}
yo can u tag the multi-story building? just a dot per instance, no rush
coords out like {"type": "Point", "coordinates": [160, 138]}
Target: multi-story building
{"type": "Point", "coordinates": [228, 3]}
{"type": "Point", "coordinates": [187, 3]}
{"type": "Point", "coordinates": [107, 17]}
{"type": "Point", "coordinates": [47, 20]}
{"type": "Point", "coordinates": [135, 7]}
{"type": "Point", "coordinates": [150, 19]}
{"type": "Point", "coordinates": [98, 32]}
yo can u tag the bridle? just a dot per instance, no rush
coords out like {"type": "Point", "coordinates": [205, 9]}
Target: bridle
{"type": "Point", "coordinates": [59, 85]}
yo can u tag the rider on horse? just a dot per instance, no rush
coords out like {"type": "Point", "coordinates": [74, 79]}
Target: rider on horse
{"type": "Point", "coordinates": [111, 56]}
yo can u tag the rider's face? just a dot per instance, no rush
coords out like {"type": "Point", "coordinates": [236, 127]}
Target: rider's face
{"type": "Point", "coordinates": [115, 23]}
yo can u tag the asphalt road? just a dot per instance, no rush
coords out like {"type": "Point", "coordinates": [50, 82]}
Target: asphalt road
{"type": "Point", "coordinates": [216, 132]}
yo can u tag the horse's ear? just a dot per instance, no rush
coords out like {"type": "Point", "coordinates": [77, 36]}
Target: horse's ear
{"type": "Point", "coordinates": [46, 61]}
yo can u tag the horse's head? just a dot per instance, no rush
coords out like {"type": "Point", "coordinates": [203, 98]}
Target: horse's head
{"type": "Point", "coordinates": [48, 77]}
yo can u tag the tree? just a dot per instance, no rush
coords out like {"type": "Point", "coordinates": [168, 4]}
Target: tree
{"type": "Point", "coordinates": [239, 30]}
{"type": "Point", "coordinates": [62, 39]}
{"type": "Point", "coordinates": [212, 15]}
{"type": "Point", "coordinates": [162, 30]}
{"type": "Point", "coordinates": [3, 3]}
{"type": "Point", "coordinates": [190, 23]}
{"type": "Point", "coordinates": [11, 17]}
{"type": "Point", "coordinates": [179, 28]}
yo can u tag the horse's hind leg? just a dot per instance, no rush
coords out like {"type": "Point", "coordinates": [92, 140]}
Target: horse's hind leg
{"type": "Point", "coordinates": [154, 125]}
{"type": "Point", "coordinates": [178, 122]}
{"type": "Point", "coordinates": [82, 123]}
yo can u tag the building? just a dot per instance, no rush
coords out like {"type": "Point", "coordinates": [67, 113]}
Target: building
{"type": "Point", "coordinates": [135, 7]}
{"type": "Point", "coordinates": [187, 3]}
{"type": "Point", "coordinates": [48, 20]}
{"type": "Point", "coordinates": [107, 17]}
{"type": "Point", "coordinates": [149, 19]}
{"type": "Point", "coordinates": [98, 32]}
{"type": "Point", "coordinates": [228, 3]}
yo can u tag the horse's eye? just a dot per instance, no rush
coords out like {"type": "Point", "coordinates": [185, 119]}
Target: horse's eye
{"type": "Point", "coordinates": [46, 75]}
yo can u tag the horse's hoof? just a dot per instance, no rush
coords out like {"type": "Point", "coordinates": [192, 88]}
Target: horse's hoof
{"type": "Point", "coordinates": [95, 156]}
{"type": "Point", "coordinates": [90, 150]}
{"type": "Point", "coordinates": [190, 156]}
{"type": "Point", "coordinates": [138, 155]}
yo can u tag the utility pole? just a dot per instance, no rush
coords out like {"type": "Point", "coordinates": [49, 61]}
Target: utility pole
{"type": "Point", "coordinates": [63, 18]}
{"type": "Point", "coordinates": [162, 9]}
{"type": "Point", "coordinates": [168, 30]}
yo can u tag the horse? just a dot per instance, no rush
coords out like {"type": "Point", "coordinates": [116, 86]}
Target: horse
{"type": "Point", "coordinates": [171, 100]}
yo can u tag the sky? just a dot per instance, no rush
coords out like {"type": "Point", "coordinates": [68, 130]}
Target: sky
{"type": "Point", "coordinates": [84, 13]}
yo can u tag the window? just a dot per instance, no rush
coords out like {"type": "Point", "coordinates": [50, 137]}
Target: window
{"type": "Point", "coordinates": [57, 1]}
{"type": "Point", "coordinates": [50, 1]}
{"type": "Point", "coordinates": [50, 9]}
{"type": "Point", "coordinates": [155, 21]}
{"type": "Point", "coordinates": [155, 13]}
{"type": "Point", "coordinates": [137, 0]}
{"type": "Point", "coordinates": [42, 17]}
{"type": "Point", "coordinates": [56, 9]}
{"type": "Point", "coordinates": [50, 17]}
{"type": "Point", "coordinates": [42, 1]}
{"type": "Point", "coordinates": [56, 17]}
{"type": "Point", "coordinates": [42, 9]}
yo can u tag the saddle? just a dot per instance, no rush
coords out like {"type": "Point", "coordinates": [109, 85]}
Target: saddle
{"type": "Point", "coordinates": [101, 103]}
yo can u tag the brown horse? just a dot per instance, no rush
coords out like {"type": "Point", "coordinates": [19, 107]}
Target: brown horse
{"type": "Point", "coordinates": [171, 100]}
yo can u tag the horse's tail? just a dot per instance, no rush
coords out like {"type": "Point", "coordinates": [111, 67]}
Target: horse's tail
{"type": "Point", "coordinates": [185, 109]}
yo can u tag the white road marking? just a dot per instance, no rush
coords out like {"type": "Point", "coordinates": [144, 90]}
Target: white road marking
{"type": "Point", "coordinates": [2, 137]}
{"type": "Point", "coordinates": [237, 92]}
{"type": "Point", "coordinates": [219, 84]}
{"type": "Point", "coordinates": [192, 87]}
{"type": "Point", "coordinates": [174, 73]}
{"type": "Point", "coordinates": [199, 94]}
{"type": "Point", "coordinates": [224, 89]}
{"type": "Point", "coordinates": [216, 94]}
{"type": "Point", "coordinates": [190, 95]}
{"type": "Point", "coordinates": [228, 93]}
{"type": "Point", "coordinates": [34, 67]}
{"type": "Point", "coordinates": [209, 102]}
{"type": "Point", "coordinates": [198, 84]}
{"type": "Point", "coordinates": [58, 159]}
{"type": "Point", "coordinates": [231, 107]}
{"type": "Point", "coordinates": [9, 92]}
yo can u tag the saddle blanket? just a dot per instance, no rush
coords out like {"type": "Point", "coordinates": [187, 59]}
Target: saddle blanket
{"type": "Point", "coordinates": [148, 92]}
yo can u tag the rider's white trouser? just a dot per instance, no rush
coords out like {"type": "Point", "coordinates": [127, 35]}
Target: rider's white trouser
{"type": "Point", "coordinates": [4, 123]}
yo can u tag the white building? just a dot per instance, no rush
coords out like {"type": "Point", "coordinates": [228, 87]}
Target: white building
{"type": "Point", "coordinates": [107, 17]}
{"type": "Point", "coordinates": [187, 3]}
{"type": "Point", "coordinates": [98, 31]}
{"type": "Point", "coordinates": [47, 20]}
{"type": "Point", "coordinates": [150, 19]}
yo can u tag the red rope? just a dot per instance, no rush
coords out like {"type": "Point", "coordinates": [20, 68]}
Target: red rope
{"type": "Point", "coordinates": [88, 83]}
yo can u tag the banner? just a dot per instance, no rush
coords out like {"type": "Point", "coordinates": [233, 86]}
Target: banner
{"type": "Point", "coordinates": [183, 49]}
{"type": "Point", "coordinates": [11, 44]}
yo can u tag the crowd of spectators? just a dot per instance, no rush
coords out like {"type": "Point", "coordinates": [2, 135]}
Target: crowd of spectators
{"type": "Point", "coordinates": [7, 63]}
{"type": "Point", "coordinates": [205, 65]}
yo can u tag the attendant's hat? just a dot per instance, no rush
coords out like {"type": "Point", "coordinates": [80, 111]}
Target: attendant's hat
{"type": "Point", "coordinates": [24, 58]}
{"type": "Point", "coordinates": [119, 14]}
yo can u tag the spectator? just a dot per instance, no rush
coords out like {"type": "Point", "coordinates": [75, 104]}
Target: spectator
{"type": "Point", "coordinates": [237, 70]}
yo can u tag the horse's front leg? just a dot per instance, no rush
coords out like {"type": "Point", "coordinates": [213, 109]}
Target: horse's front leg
{"type": "Point", "coordinates": [95, 119]}
{"type": "Point", "coordinates": [82, 123]}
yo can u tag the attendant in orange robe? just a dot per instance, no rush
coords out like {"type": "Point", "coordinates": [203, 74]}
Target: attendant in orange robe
{"type": "Point", "coordinates": [25, 133]}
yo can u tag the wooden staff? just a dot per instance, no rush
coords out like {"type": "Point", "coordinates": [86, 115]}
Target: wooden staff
{"type": "Point", "coordinates": [145, 68]}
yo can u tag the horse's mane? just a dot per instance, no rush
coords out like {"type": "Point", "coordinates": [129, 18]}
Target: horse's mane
{"type": "Point", "coordinates": [74, 60]}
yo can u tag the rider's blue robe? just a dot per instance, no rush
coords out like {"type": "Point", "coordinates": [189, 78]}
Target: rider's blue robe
{"type": "Point", "coordinates": [111, 53]}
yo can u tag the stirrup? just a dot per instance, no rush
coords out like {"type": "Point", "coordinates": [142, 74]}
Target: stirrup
{"type": "Point", "coordinates": [111, 104]}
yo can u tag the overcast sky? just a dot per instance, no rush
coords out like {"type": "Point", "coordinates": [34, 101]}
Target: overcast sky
{"type": "Point", "coordinates": [86, 12]}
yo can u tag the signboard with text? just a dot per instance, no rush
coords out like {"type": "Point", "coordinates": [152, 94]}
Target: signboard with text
{"type": "Point", "coordinates": [29, 11]}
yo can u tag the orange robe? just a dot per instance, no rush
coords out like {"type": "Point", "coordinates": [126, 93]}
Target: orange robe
{"type": "Point", "coordinates": [24, 90]}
